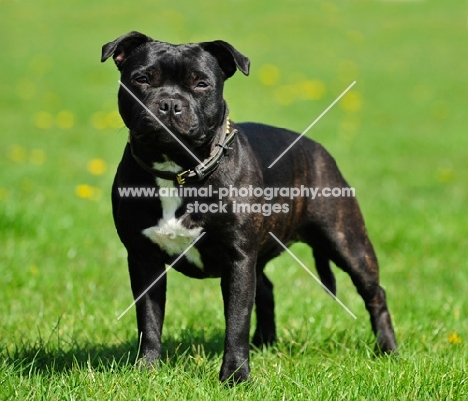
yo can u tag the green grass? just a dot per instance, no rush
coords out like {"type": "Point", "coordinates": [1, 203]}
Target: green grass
{"type": "Point", "coordinates": [399, 138]}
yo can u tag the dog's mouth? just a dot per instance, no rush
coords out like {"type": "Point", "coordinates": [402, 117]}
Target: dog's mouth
{"type": "Point", "coordinates": [163, 128]}
{"type": "Point", "coordinates": [167, 134]}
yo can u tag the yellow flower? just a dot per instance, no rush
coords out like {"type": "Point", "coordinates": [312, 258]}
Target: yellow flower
{"type": "Point", "coordinates": [312, 89]}
{"type": "Point", "coordinates": [37, 156]}
{"type": "Point", "coordinates": [445, 175]}
{"type": "Point", "coordinates": [34, 270]}
{"type": "Point", "coordinates": [454, 338]}
{"type": "Point", "coordinates": [114, 120]}
{"type": "Point", "coordinates": [351, 102]}
{"type": "Point", "coordinates": [97, 166]}
{"type": "Point", "coordinates": [99, 120]}
{"type": "Point", "coordinates": [85, 191]}
{"type": "Point", "coordinates": [18, 154]}
{"type": "Point", "coordinates": [43, 120]}
{"type": "Point", "coordinates": [102, 120]}
{"type": "Point", "coordinates": [65, 119]}
{"type": "Point", "coordinates": [269, 74]}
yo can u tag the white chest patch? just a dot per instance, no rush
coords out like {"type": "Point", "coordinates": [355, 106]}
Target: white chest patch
{"type": "Point", "coordinates": [169, 233]}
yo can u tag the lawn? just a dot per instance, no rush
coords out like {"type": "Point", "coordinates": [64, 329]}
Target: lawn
{"type": "Point", "coordinates": [399, 137]}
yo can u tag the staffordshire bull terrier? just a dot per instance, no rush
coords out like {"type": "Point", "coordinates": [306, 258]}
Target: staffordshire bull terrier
{"type": "Point", "coordinates": [180, 136]}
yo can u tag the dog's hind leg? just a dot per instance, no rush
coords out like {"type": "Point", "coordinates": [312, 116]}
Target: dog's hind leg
{"type": "Point", "coordinates": [353, 252]}
{"type": "Point", "coordinates": [355, 255]}
{"type": "Point", "coordinates": [265, 332]}
{"type": "Point", "coordinates": [322, 264]}
{"type": "Point", "coordinates": [342, 238]}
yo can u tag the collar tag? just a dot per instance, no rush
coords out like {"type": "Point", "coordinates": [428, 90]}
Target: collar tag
{"type": "Point", "coordinates": [180, 177]}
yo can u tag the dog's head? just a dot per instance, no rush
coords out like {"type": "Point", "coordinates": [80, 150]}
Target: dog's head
{"type": "Point", "coordinates": [180, 88]}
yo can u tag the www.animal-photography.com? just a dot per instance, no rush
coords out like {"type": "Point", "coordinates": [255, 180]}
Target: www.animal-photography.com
{"type": "Point", "coordinates": [249, 200]}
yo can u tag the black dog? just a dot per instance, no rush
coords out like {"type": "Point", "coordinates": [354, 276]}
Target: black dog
{"type": "Point", "coordinates": [183, 138]}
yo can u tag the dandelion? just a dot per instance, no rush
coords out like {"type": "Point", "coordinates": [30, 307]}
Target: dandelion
{"type": "Point", "coordinates": [269, 74]}
{"type": "Point", "coordinates": [113, 119]}
{"type": "Point", "coordinates": [102, 120]}
{"type": "Point", "coordinates": [18, 154]}
{"type": "Point", "coordinates": [34, 270]}
{"type": "Point", "coordinates": [37, 157]}
{"type": "Point", "coordinates": [85, 191]}
{"type": "Point", "coordinates": [445, 175]}
{"type": "Point", "coordinates": [454, 338]}
{"type": "Point", "coordinates": [43, 120]}
{"type": "Point", "coordinates": [351, 102]}
{"type": "Point", "coordinates": [99, 120]}
{"type": "Point", "coordinates": [65, 119]}
{"type": "Point", "coordinates": [312, 89]}
{"type": "Point", "coordinates": [97, 166]}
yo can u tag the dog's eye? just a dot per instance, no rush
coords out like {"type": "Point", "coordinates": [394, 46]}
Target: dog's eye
{"type": "Point", "coordinates": [142, 79]}
{"type": "Point", "coordinates": [202, 84]}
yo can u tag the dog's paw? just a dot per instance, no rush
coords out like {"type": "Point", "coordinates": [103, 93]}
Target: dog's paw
{"type": "Point", "coordinates": [147, 362]}
{"type": "Point", "coordinates": [386, 343]}
{"type": "Point", "coordinates": [233, 373]}
{"type": "Point", "coordinates": [262, 340]}
{"type": "Point", "coordinates": [386, 348]}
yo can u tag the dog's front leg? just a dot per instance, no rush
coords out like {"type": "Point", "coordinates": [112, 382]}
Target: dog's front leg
{"type": "Point", "coordinates": [238, 288]}
{"type": "Point", "coordinates": [144, 269]}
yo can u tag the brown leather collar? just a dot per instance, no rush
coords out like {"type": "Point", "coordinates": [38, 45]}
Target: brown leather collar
{"type": "Point", "coordinates": [200, 171]}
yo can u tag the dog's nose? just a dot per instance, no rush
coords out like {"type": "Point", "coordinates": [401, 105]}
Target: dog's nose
{"type": "Point", "coordinates": [173, 106]}
{"type": "Point", "coordinates": [164, 106]}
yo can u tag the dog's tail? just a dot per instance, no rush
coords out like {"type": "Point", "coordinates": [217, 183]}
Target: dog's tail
{"type": "Point", "coordinates": [322, 264]}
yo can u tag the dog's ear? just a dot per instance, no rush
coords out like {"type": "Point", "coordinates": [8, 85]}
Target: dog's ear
{"type": "Point", "coordinates": [121, 47]}
{"type": "Point", "coordinates": [228, 57]}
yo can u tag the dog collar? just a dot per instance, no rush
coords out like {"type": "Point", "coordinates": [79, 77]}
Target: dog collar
{"type": "Point", "coordinates": [199, 172]}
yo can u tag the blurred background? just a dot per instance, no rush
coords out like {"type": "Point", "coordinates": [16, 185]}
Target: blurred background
{"type": "Point", "coordinates": [399, 136]}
